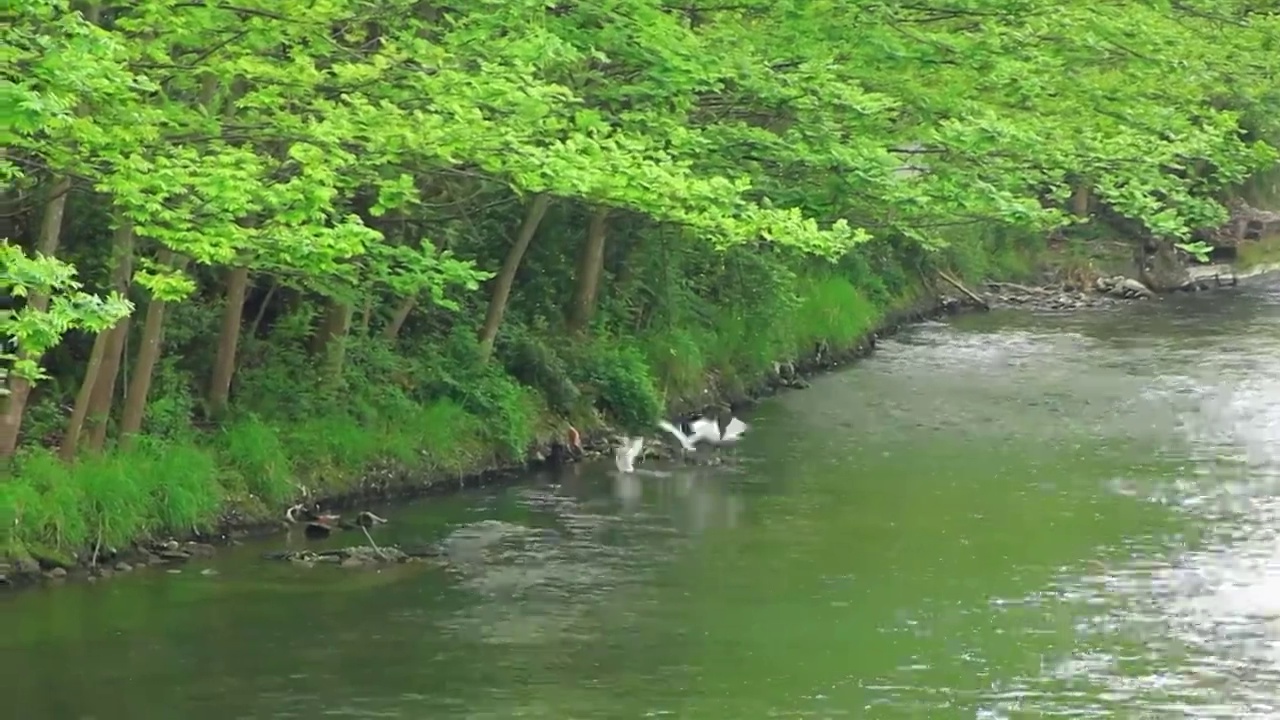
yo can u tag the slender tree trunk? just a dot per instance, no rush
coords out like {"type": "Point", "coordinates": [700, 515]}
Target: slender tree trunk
{"type": "Point", "coordinates": [262, 309]}
{"type": "Point", "coordinates": [1080, 200]}
{"type": "Point", "coordinates": [392, 330]}
{"type": "Point", "coordinates": [507, 275]}
{"type": "Point", "coordinates": [20, 387]}
{"type": "Point", "coordinates": [92, 375]}
{"type": "Point", "coordinates": [104, 389]}
{"type": "Point", "coordinates": [366, 317]}
{"type": "Point", "coordinates": [224, 365]}
{"type": "Point", "coordinates": [590, 267]}
{"type": "Point", "coordinates": [149, 349]}
{"type": "Point", "coordinates": [104, 383]}
{"type": "Point", "coordinates": [330, 340]}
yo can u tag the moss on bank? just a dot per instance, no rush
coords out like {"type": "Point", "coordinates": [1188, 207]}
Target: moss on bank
{"type": "Point", "coordinates": [440, 412]}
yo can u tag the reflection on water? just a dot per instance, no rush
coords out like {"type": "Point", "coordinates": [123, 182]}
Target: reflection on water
{"type": "Point", "coordinates": [1005, 516]}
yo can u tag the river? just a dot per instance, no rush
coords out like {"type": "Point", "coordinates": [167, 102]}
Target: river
{"type": "Point", "coordinates": [1003, 516]}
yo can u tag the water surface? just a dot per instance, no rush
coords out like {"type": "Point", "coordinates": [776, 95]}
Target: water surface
{"type": "Point", "coordinates": [1006, 516]}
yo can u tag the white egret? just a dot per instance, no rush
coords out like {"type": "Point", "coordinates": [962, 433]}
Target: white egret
{"type": "Point", "coordinates": [625, 455]}
{"type": "Point", "coordinates": [699, 430]}
{"type": "Point", "coordinates": [708, 430]}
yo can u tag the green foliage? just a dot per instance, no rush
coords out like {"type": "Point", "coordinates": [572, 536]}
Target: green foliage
{"type": "Point", "coordinates": [1199, 250]}
{"type": "Point", "coordinates": [777, 176]}
{"type": "Point", "coordinates": [33, 330]}
{"type": "Point", "coordinates": [618, 377]}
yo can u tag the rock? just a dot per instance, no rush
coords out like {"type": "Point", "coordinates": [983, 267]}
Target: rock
{"type": "Point", "coordinates": [1246, 223]}
{"type": "Point", "coordinates": [174, 555]}
{"type": "Point", "coordinates": [1161, 269]}
{"type": "Point", "coordinates": [1129, 288]}
{"type": "Point", "coordinates": [201, 550]}
{"type": "Point", "coordinates": [1133, 288]}
{"type": "Point", "coordinates": [316, 530]}
{"type": "Point", "coordinates": [351, 562]}
{"type": "Point", "coordinates": [422, 551]}
{"type": "Point", "coordinates": [26, 566]}
{"type": "Point", "coordinates": [123, 567]}
{"type": "Point", "coordinates": [57, 573]}
{"type": "Point", "coordinates": [49, 561]}
{"type": "Point", "coordinates": [208, 572]}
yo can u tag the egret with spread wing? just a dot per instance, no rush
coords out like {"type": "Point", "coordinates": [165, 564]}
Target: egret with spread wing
{"type": "Point", "coordinates": [700, 429]}
{"type": "Point", "coordinates": [709, 430]}
{"type": "Point", "coordinates": [625, 455]}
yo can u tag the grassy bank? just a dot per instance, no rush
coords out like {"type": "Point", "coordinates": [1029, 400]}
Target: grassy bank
{"type": "Point", "coordinates": [434, 413]}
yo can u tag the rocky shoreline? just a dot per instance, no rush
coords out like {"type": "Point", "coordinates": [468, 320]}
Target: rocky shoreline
{"type": "Point", "coordinates": [391, 482]}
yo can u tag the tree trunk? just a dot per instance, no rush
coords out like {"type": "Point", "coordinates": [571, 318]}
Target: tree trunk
{"type": "Point", "coordinates": [392, 330]}
{"type": "Point", "coordinates": [149, 349]}
{"type": "Point", "coordinates": [1080, 200]}
{"type": "Point", "coordinates": [224, 365]}
{"type": "Point", "coordinates": [20, 387]}
{"type": "Point", "coordinates": [507, 275]}
{"type": "Point", "coordinates": [262, 309]}
{"type": "Point", "coordinates": [104, 384]}
{"type": "Point", "coordinates": [330, 340]}
{"type": "Point", "coordinates": [366, 317]}
{"type": "Point", "coordinates": [590, 267]}
{"type": "Point", "coordinates": [71, 439]}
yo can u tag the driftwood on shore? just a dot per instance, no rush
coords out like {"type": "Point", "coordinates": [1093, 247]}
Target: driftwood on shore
{"type": "Point", "coordinates": [981, 301]}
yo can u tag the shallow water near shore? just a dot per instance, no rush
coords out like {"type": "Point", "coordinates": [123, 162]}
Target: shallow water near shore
{"type": "Point", "coordinates": [1006, 515]}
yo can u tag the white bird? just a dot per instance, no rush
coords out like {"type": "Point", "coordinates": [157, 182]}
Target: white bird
{"type": "Point", "coordinates": [733, 431]}
{"type": "Point", "coordinates": [706, 429]}
{"type": "Point", "coordinates": [625, 455]}
{"type": "Point", "coordinates": [700, 429]}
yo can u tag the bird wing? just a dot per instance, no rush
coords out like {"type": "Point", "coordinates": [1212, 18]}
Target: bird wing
{"type": "Point", "coordinates": [634, 448]}
{"type": "Point", "coordinates": [685, 442]}
{"type": "Point", "coordinates": [734, 429]}
{"type": "Point", "coordinates": [621, 461]}
{"type": "Point", "coordinates": [705, 429]}
{"type": "Point", "coordinates": [625, 456]}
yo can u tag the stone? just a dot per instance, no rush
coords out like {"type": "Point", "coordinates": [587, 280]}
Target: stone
{"type": "Point", "coordinates": [1162, 270]}
{"type": "Point", "coordinates": [123, 566]}
{"type": "Point", "coordinates": [57, 573]}
{"type": "Point", "coordinates": [201, 550]}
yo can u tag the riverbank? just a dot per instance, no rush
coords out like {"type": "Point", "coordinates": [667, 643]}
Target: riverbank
{"type": "Point", "coordinates": [156, 489]}
{"type": "Point", "coordinates": [249, 515]}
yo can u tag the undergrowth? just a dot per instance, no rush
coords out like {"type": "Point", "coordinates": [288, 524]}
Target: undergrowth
{"type": "Point", "coordinates": [431, 405]}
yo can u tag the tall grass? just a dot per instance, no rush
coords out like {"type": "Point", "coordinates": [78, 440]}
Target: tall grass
{"type": "Point", "coordinates": [176, 486]}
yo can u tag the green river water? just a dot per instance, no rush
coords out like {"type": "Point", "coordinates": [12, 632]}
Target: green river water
{"type": "Point", "coordinates": [1003, 516]}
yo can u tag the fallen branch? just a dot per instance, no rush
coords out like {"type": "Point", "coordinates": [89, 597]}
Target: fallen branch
{"type": "Point", "coordinates": [971, 294]}
{"type": "Point", "coordinates": [1018, 288]}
